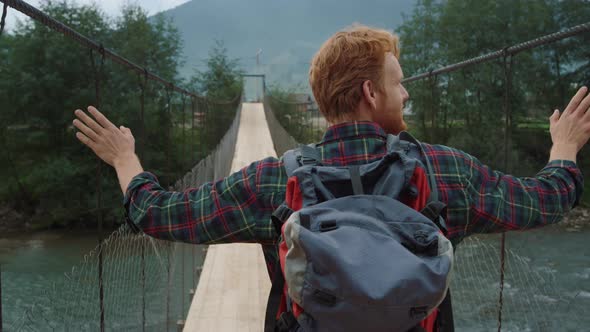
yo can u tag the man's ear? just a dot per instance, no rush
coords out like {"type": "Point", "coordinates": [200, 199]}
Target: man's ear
{"type": "Point", "coordinates": [369, 94]}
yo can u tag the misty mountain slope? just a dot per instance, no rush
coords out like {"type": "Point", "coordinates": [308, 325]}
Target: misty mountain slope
{"type": "Point", "coordinates": [288, 32]}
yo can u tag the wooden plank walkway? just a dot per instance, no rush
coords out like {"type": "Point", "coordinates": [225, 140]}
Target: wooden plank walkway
{"type": "Point", "coordinates": [234, 285]}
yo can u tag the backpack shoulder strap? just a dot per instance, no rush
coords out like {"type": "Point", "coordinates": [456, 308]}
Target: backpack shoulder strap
{"type": "Point", "coordinates": [301, 156]}
{"type": "Point", "coordinates": [290, 161]}
{"type": "Point", "coordinates": [434, 209]}
{"type": "Point", "coordinates": [405, 136]}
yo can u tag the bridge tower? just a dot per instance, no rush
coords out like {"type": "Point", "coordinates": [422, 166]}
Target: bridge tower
{"type": "Point", "coordinates": [254, 87]}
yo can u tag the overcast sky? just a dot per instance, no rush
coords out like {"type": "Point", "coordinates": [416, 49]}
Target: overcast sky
{"type": "Point", "coordinates": [111, 7]}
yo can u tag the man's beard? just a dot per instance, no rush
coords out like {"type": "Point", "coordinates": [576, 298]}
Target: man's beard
{"type": "Point", "coordinates": [396, 128]}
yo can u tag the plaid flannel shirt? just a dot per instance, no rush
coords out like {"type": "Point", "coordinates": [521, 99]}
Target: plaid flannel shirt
{"type": "Point", "coordinates": [238, 208]}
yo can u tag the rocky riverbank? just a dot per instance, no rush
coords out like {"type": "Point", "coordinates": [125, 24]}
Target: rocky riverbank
{"type": "Point", "coordinates": [576, 219]}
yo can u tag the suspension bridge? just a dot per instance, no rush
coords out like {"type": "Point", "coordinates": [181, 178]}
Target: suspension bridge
{"type": "Point", "coordinates": [133, 282]}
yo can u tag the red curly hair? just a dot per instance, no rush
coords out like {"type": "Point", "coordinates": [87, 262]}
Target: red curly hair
{"type": "Point", "coordinates": [344, 62]}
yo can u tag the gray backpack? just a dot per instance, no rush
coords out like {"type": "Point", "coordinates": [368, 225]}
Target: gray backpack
{"type": "Point", "coordinates": [354, 256]}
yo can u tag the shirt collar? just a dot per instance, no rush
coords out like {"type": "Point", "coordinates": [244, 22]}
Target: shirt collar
{"type": "Point", "coordinates": [356, 129]}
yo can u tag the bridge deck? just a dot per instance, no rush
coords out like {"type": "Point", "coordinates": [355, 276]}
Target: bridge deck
{"type": "Point", "coordinates": [234, 285]}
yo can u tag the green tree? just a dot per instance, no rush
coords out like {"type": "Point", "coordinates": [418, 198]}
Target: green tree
{"type": "Point", "coordinates": [46, 79]}
{"type": "Point", "coordinates": [466, 108]}
{"type": "Point", "coordinates": [421, 52]}
{"type": "Point", "coordinates": [222, 84]}
{"type": "Point", "coordinates": [155, 44]}
{"type": "Point", "coordinates": [576, 67]}
{"type": "Point", "coordinates": [222, 79]}
{"type": "Point", "coordinates": [45, 76]}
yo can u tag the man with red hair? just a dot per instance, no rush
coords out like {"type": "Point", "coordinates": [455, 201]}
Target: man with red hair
{"type": "Point", "coordinates": [357, 82]}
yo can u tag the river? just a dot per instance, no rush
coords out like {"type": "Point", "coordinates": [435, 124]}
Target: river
{"type": "Point", "coordinates": [547, 285]}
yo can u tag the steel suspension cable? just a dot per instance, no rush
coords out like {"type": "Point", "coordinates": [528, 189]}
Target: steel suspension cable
{"type": "Point", "coordinates": [512, 50]}
{"type": "Point", "coordinates": [85, 41]}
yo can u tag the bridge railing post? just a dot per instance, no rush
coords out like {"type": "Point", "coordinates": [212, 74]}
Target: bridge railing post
{"type": "Point", "coordinates": [507, 64]}
{"type": "Point", "coordinates": [170, 250]}
{"type": "Point", "coordinates": [143, 285]}
{"type": "Point", "coordinates": [97, 85]}
{"type": "Point", "coordinates": [181, 319]}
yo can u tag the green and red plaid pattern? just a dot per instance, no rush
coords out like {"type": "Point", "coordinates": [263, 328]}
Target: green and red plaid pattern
{"type": "Point", "coordinates": [238, 208]}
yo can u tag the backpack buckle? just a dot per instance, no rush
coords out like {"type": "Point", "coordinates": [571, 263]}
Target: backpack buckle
{"type": "Point", "coordinates": [304, 160]}
{"type": "Point", "coordinates": [309, 155]}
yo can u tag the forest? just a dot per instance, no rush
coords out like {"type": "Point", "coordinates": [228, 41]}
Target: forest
{"type": "Point", "coordinates": [497, 111]}
{"type": "Point", "coordinates": [50, 179]}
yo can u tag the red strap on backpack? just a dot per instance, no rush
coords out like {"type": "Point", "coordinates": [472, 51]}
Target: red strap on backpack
{"type": "Point", "coordinates": [294, 201]}
{"type": "Point", "coordinates": [420, 180]}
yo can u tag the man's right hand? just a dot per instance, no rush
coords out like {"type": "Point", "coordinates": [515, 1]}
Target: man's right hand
{"type": "Point", "coordinates": [570, 130]}
{"type": "Point", "coordinates": [115, 146]}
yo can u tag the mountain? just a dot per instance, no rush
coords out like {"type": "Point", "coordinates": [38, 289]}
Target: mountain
{"type": "Point", "coordinates": [288, 32]}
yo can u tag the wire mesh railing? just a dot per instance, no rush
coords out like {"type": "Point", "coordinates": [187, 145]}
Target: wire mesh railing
{"type": "Point", "coordinates": [147, 283]}
{"type": "Point", "coordinates": [281, 139]}
{"type": "Point", "coordinates": [300, 119]}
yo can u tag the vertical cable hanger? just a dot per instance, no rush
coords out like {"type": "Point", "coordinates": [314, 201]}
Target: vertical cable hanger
{"type": "Point", "coordinates": [98, 72]}
{"type": "Point", "coordinates": [183, 160]}
{"type": "Point", "coordinates": [433, 80]}
{"type": "Point", "coordinates": [169, 131]}
{"type": "Point", "coordinates": [143, 81]}
{"type": "Point", "coordinates": [3, 19]}
{"type": "Point", "coordinates": [193, 130]}
{"type": "Point", "coordinates": [507, 131]}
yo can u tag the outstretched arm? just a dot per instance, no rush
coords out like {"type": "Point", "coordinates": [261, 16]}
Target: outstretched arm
{"type": "Point", "coordinates": [499, 202]}
{"type": "Point", "coordinates": [115, 146]}
{"type": "Point", "coordinates": [227, 210]}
